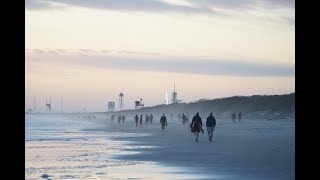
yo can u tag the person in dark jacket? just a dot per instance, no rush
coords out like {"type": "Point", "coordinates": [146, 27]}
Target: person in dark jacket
{"type": "Point", "coordinates": [196, 125]}
{"type": "Point", "coordinates": [141, 116]}
{"type": "Point", "coordinates": [163, 121]}
{"type": "Point", "coordinates": [119, 119]}
{"type": "Point", "coordinates": [123, 118]}
{"type": "Point", "coordinates": [136, 118]}
{"type": "Point", "coordinates": [151, 118]}
{"type": "Point", "coordinates": [210, 124]}
{"type": "Point", "coordinates": [233, 116]}
{"type": "Point", "coordinates": [239, 116]}
{"type": "Point", "coordinates": [147, 118]}
{"type": "Point", "coordinates": [184, 119]}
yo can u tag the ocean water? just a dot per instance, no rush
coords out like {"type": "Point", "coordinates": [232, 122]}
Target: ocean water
{"type": "Point", "coordinates": [58, 148]}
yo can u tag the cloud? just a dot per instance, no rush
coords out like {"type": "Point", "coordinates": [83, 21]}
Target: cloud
{"type": "Point", "coordinates": [165, 64]}
{"type": "Point", "coordinates": [39, 51]}
{"type": "Point", "coordinates": [42, 5]}
{"type": "Point", "coordinates": [138, 53]}
{"type": "Point", "coordinates": [158, 5]}
{"type": "Point", "coordinates": [208, 7]}
{"type": "Point", "coordinates": [128, 5]}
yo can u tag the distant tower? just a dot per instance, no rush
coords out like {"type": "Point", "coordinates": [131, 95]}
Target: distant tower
{"type": "Point", "coordinates": [174, 94]}
{"type": "Point", "coordinates": [166, 101]}
{"type": "Point", "coordinates": [121, 101]}
{"type": "Point", "coordinates": [48, 104]}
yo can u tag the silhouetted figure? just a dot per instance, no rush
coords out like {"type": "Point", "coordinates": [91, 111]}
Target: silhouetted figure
{"type": "Point", "coordinates": [151, 118]}
{"type": "Point", "coordinates": [239, 116]}
{"type": "Point", "coordinates": [141, 120]}
{"type": "Point", "coordinates": [123, 118]}
{"type": "Point", "coordinates": [163, 122]}
{"type": "Point", "coordinates": [112, 117]}
{"type": "Point", "coordinates": [136, 118]}
{"type": "Point", "coordinates": [171, 116]}
{"type": "Point", "coordinates": [119, 119]}
{"type": "Point", "coordinates": [184, 119]}
{"type": "Point", "coordinates": [179, 117]}
{"type": "Point", "coordinates": [233, 116]}
{"type": "Point", "coordinates": [147, 118]}
{"type": "Point", "coordinates": [196, 125]}
{"type": "Point", "coordinates": [210, 124]}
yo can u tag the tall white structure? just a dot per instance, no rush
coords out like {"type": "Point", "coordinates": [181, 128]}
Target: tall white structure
{"type": "Point", "coordinates": [120, 101]}
{"type": "Point", "coordinates": [166, 101]}
{"type": "Point", "coordinates": [174, 94]}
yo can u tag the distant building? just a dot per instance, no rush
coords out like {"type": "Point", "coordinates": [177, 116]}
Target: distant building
{"type": "Point", "coordinates": [174, 95]}
{"type": "Point", "coordinates": [139, 104]}
{"type": "Point", "coordinates": [111, 106]}
{"type": "Point", "coordinates": [121, 101]}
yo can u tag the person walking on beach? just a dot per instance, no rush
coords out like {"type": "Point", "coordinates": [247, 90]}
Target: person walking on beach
{"type": "Point", "coordinates": [179, 117]}
{"type": "Point", "coordinates": [196, 125]}
{"type": "Point", "coordinates": [147, 119]}
{"type": "Point", "coordinates": [210, 124]}
{"type": "Point", "coordinates": [239, 116]}
{"type": "Point", "coordinates": [141, 119]}
{"type": "Point", "coordinates": [233, 116]}
{"type": "Point", "coordinates": [136, 118]}
{"type": "Point", "coordinates": [112, 117]}
{"type": "Point", "coordinates": [123, 118]}
{"type": "Point", "coordinates": [184, 119]}
{"type": "Point", "coordinates": [151, 118]}
{"type": "Point", "coordinates": [119, 119]}
{"type": "Point", "coordinates": [163, 122]}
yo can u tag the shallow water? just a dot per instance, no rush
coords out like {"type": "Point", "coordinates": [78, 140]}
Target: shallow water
{"type": "Point", "coordinates": [56, 148]}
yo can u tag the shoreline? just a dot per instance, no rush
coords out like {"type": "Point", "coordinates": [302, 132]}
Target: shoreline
{"type": "Point", "coordinates": [252, 149]}
{"type": "Point", "coordinates": [176, 147]}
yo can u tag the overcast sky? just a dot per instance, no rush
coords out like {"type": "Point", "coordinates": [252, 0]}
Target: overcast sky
{"type": "Point", "coordinates": [90, 51]}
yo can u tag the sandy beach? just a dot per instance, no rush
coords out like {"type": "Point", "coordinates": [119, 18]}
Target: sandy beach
{"type": "Point", "coordinates": [251, 149]}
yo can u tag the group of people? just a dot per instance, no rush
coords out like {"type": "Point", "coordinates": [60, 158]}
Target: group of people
{"type": "Point", "coordinates": [81, 116]}
{"type": "Point", "coordinates": [184, 118]}
{"type": "Point", "coordinates": [148, 119]}
{"type": "Point", "coordinates": [233, 116]}
{"type": "Point", "coordinates": [120, 117]}
{"type": "Point", "coordinates": [196, 126]}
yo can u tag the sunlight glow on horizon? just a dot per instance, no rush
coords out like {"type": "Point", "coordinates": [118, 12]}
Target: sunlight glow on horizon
{"type": "Point", "coordinates": [63, 47]}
